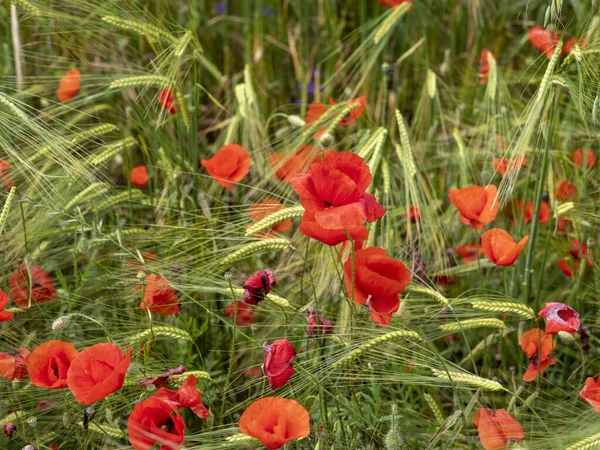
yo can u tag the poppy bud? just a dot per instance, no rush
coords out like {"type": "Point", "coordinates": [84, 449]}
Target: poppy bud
{"type": "Point", "coordinates": [32, 421]}
{"type": "Point", "coordinates": [567, 338]}
{"type": "Point", "coordinates": [29, 447]}
{"type": "Point", "coordinates": [258, 285]}
{"type": "Point", "coordinates": [88, 415]}
{"type": "Point", "coordinates": [326, 141]}
{"type": "Point", "coordinates": [60, 323]}
{"type": "Point", "coordinates": [228, 276]}
{"type": "Point", "coordinates": [9, 429]}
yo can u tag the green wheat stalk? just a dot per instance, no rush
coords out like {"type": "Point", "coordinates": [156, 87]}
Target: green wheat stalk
{"type": "Point", "coordinates": [472, 323]}
{"type": "Point", "coordinates": [468, 380]}
{"type": "Point", "coordinates": [254, 248]}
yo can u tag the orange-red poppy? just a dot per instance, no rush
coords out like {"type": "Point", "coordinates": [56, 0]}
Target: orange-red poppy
{"type": "Point", "coordinates": [469, 252]}
{"type": "Point", "coordinates": [378, 281]}
{"type": "Point", "coordinates": [538, 346]}
{"type": "Point", "coordinates": [500, 248]}
{"type": "Point", "coordinates": [334, 196]}
{"type": "Point", "coordinates": [165, 98]}
{"type": "Point", "coordinates": [485, 65]}
{"type": "Point", "coordinates": [259, 211]}
{"type": "Point", "coordinates": [154, 421]}
{"type": "Point", "coordinates": [97, 371]}
{"type": "Point", "coordinates": [277, 364]}
{"type": "Point", "coordinates": [559, 317]}
{"type": "Point", "coordinates": [244, 315]}
{"type": "Point", "coordinates": [41, 289]}
{"type": "Point", "coordinates": [545, 41]}
{"type": "Point", "coordinates": [49, 363]}
{"type": "Point", "coordinates": [4, 315]}
{"type": "Point", "coordinates": [504, 165]}
{"type": "Point", "coordinates": [545, 211]}
{"type": "Point", "coordinates": [5, 177]}
{"type": "Point", "coordinates": [579, 250]}
{"type": "Point", "coordinates": [139, 176]}
{"type": "Point", "coordinates": [275, 421]}
{"type": "Point", "coordinates": [566, 191]}
{"type": "Point", "coordinates": [13, 365]}
{"type": "Point", "coordinates": [159, 296]}
{"type": "Point", "coordinates": [229, 165]}
{"type": "Point", "coordinates": [591, 393]}
{"type": "Point", "coordinates": [571, 43]}
{"type": "Point", "coordinates": [566, 267]}
{"type": "Point", "coordinates": [286, 165]}
{"type": "Point", "coordinates": [477, 205]}
{"type": "Point", "coordinates": [69, 86]}
{"type": "Point", "coordinates": [187, 396]}
{"type": "Point", "coordinates": [258, 285]}
{"type": "Point", "coordinates": [497, 428]}
{"type": "Point", "coordinates": [590, 158]}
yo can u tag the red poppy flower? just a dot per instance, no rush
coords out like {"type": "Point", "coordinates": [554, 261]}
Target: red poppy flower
{"type": "Point", "coordinates": [566, 191]}
{"type": "Point", "coordinates": [469, 252]}
{"type": "Point", "coordinates": [477, 205]}
{"type": "Point", "coordinates": [500, 247]}
{"type": "Point", "coordinates": [154, 421]}
{"type": "Point", "coordinates": [314, 111]}
{"type": "Point", "coordinates": [414, 214]}
{"type": "Point", "coordinates": [187, 396]}
{"type": "Point", "coordinates": [485, 66]}
{"type": "Point", "coordinates": [378, 281]}
{"type": "Point", "coordinates": [334, 196]}
{"type": "Point", "coordinates": [244, 315]}
{"type": "Point", "coordinates": [97, 371]}
{"type": "Point", "coordinates": [253, 372]}
{"type": "Point", "coordinates": [42, 289]}
{"type": "Point", "coordinates": [13, 365]}
{"type": "Point", "coordinates": [49, 363]}
{"type": "Point", "coordinates": [5, 178]}
{"type": "Point", "coordinates": [317, 326]}
{"type": "Point", "coordinates": [538, 346]}
{"type": "Point", "coordinates": [393, 3]}
{"type": "Point", "coordinates": [275, 421]}
{"type": "Point", "coordinates": [580, 251]}
{"type": "Point", "coordinates": [571, 43]}
{"type": "Point", "coordinates": [69, 86]}
{"type": "Point", "coordinates": [444, 280]}
{"type": "Point", "coordinates": [545, 211]}
{"type": "Point", "coordinates": [545, 41]}
{"type": "Point", "coordinates": [590, 157]}
{"type": "Point", "coordinates": [259, 211]}
{"type": "Point", "coordinates": [229, 165]}
{"type": "Point", "coordinates": [504, 165]}
{"type": "Point", "coordinates": [4, 315]}
{"type": "Point", "coordinates": [591, 393]}
{"type": "Point", "coordinates": [258, 285]}
{"type": "Point", "coordinates": [277, 364]}
{"type": "Point", "coordinates": [159, 296]}
{"type": "Point", "coordinates": [286, 165]}
{"type": "Point", "coordinates": [165, 98]}
{"type": "Point", "coordinates": [497, 428]}
{"type": "Point", "coordinates": [559, 317]}
{"type": "Point", "coordinates": [139, 176]}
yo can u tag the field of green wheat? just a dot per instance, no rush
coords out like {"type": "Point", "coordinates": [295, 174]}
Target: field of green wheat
{"type": "Point", "coordinates": [299, 224]}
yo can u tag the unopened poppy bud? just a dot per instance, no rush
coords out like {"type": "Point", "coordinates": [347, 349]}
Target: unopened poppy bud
{"type": "Point", "coordinates": [141, 275]}
{"type": "Point", "coordinates": [326, 140]}
{"type": "Point", "coordinates": [151, 388]}
{"type": "Point", "coordinates": [9, 429]}
{"type": "Point", "coordinates": [296, 121]}
{"type": "Point", "coordinates": [32, 421]}
{"type": "Point", "coordinates": [228, 276]}
{"type": "Point", "coordinates": [29, 447]}
{"type": "Point", "coordinates": [88, 415]}
{"type": "Point", "coordinates": [60, 323]}
{"type": "Point", "coordinates": [394, 439]}
{"type": "Point", "coordinates": [567, 338]}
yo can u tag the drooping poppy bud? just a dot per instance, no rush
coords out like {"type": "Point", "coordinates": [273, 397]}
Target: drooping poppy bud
{"type": "Point", "coordinates": [258, 285]}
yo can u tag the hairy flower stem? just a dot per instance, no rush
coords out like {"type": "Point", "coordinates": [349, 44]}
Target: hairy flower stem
{"type": "Point", "coordinates": [224, 393]}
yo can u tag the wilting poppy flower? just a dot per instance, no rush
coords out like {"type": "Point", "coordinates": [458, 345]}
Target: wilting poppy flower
{"type": "Point", "coordinates": [244, 315]}
{"type": "Point", "coordinates": [538, 346]}
{"type": "Point", "coordinates": [42, 289]}
{"type": "Point", "coordinates": [97, 371]}
{"type": "Point", "coordinates": [139, 176]}
{"type": "Point", "coordinates": [559, 317]}
{"type": "Point", "coordinates": [159, 296]}
{"type": "Point", "coordinates": [69, 86]}
{"type": "Point", "coordinates": [485, 66]}
{"type": "Point", "coordinates": [333, 194]}
{"type": "Point", "coordinates": [591, 393]}
{"type": "Point", "coordinates": [275, 421]}
{"type": "Point", "coordinates": [378, 281]}
{"type": "Point", "coordinates": [566, 191]}
{"type": "Point", "coordinates": [4, 176]}
{"type": "Point", "coordinates": [258, 285]}
{"type": "Point", "coordinates": [545, 41]}
{"type": "Point", "coordinates": [277, 364]}
{"type": "Point", "coordinates": [13, 365]}
{"type": "Point", "coordinates": [161, 380]}
{"type": "Point", "coordinates": [286, 165]}
{"type": "Point", "coordinates": [4, 315]}
{"type": "Point", "coordinates": [571, 43]}
{"type": "Point", "coordinates": [504, 165]}
{"type": "Point", "coordinates": [229, 165]}
{"type": "Point", "coordinates": [259, 211]}
{"type": "Point", "coordinates": [497, 428]}
{"type": "Point", "coordinates": [49, 363]}
{"type": "Point", "coordinates": [154, 421]}
{"type": "Point", "coordinates": [469, 252]}
{"type": "Point", "coordinates": [317, 326]}
{"type": "Point", "coordinates": [187, 396]}
{"type": "Point", "coordinates": [590, 157]}
{"type": "Point", "coordinates": [165, 98]}
{"type": "Point", "coordinates": [9, 429]}
{"type": "Point", "coordinates": [393, 3]}
{"type": "Point", "coordinates": [414, 214]}
{"type": "Point", "coordinates": [477, 205]}
{"type": "Point", "coordinates": [500, 247]}
{"type": "Point", "coordinates": [545, 212]}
